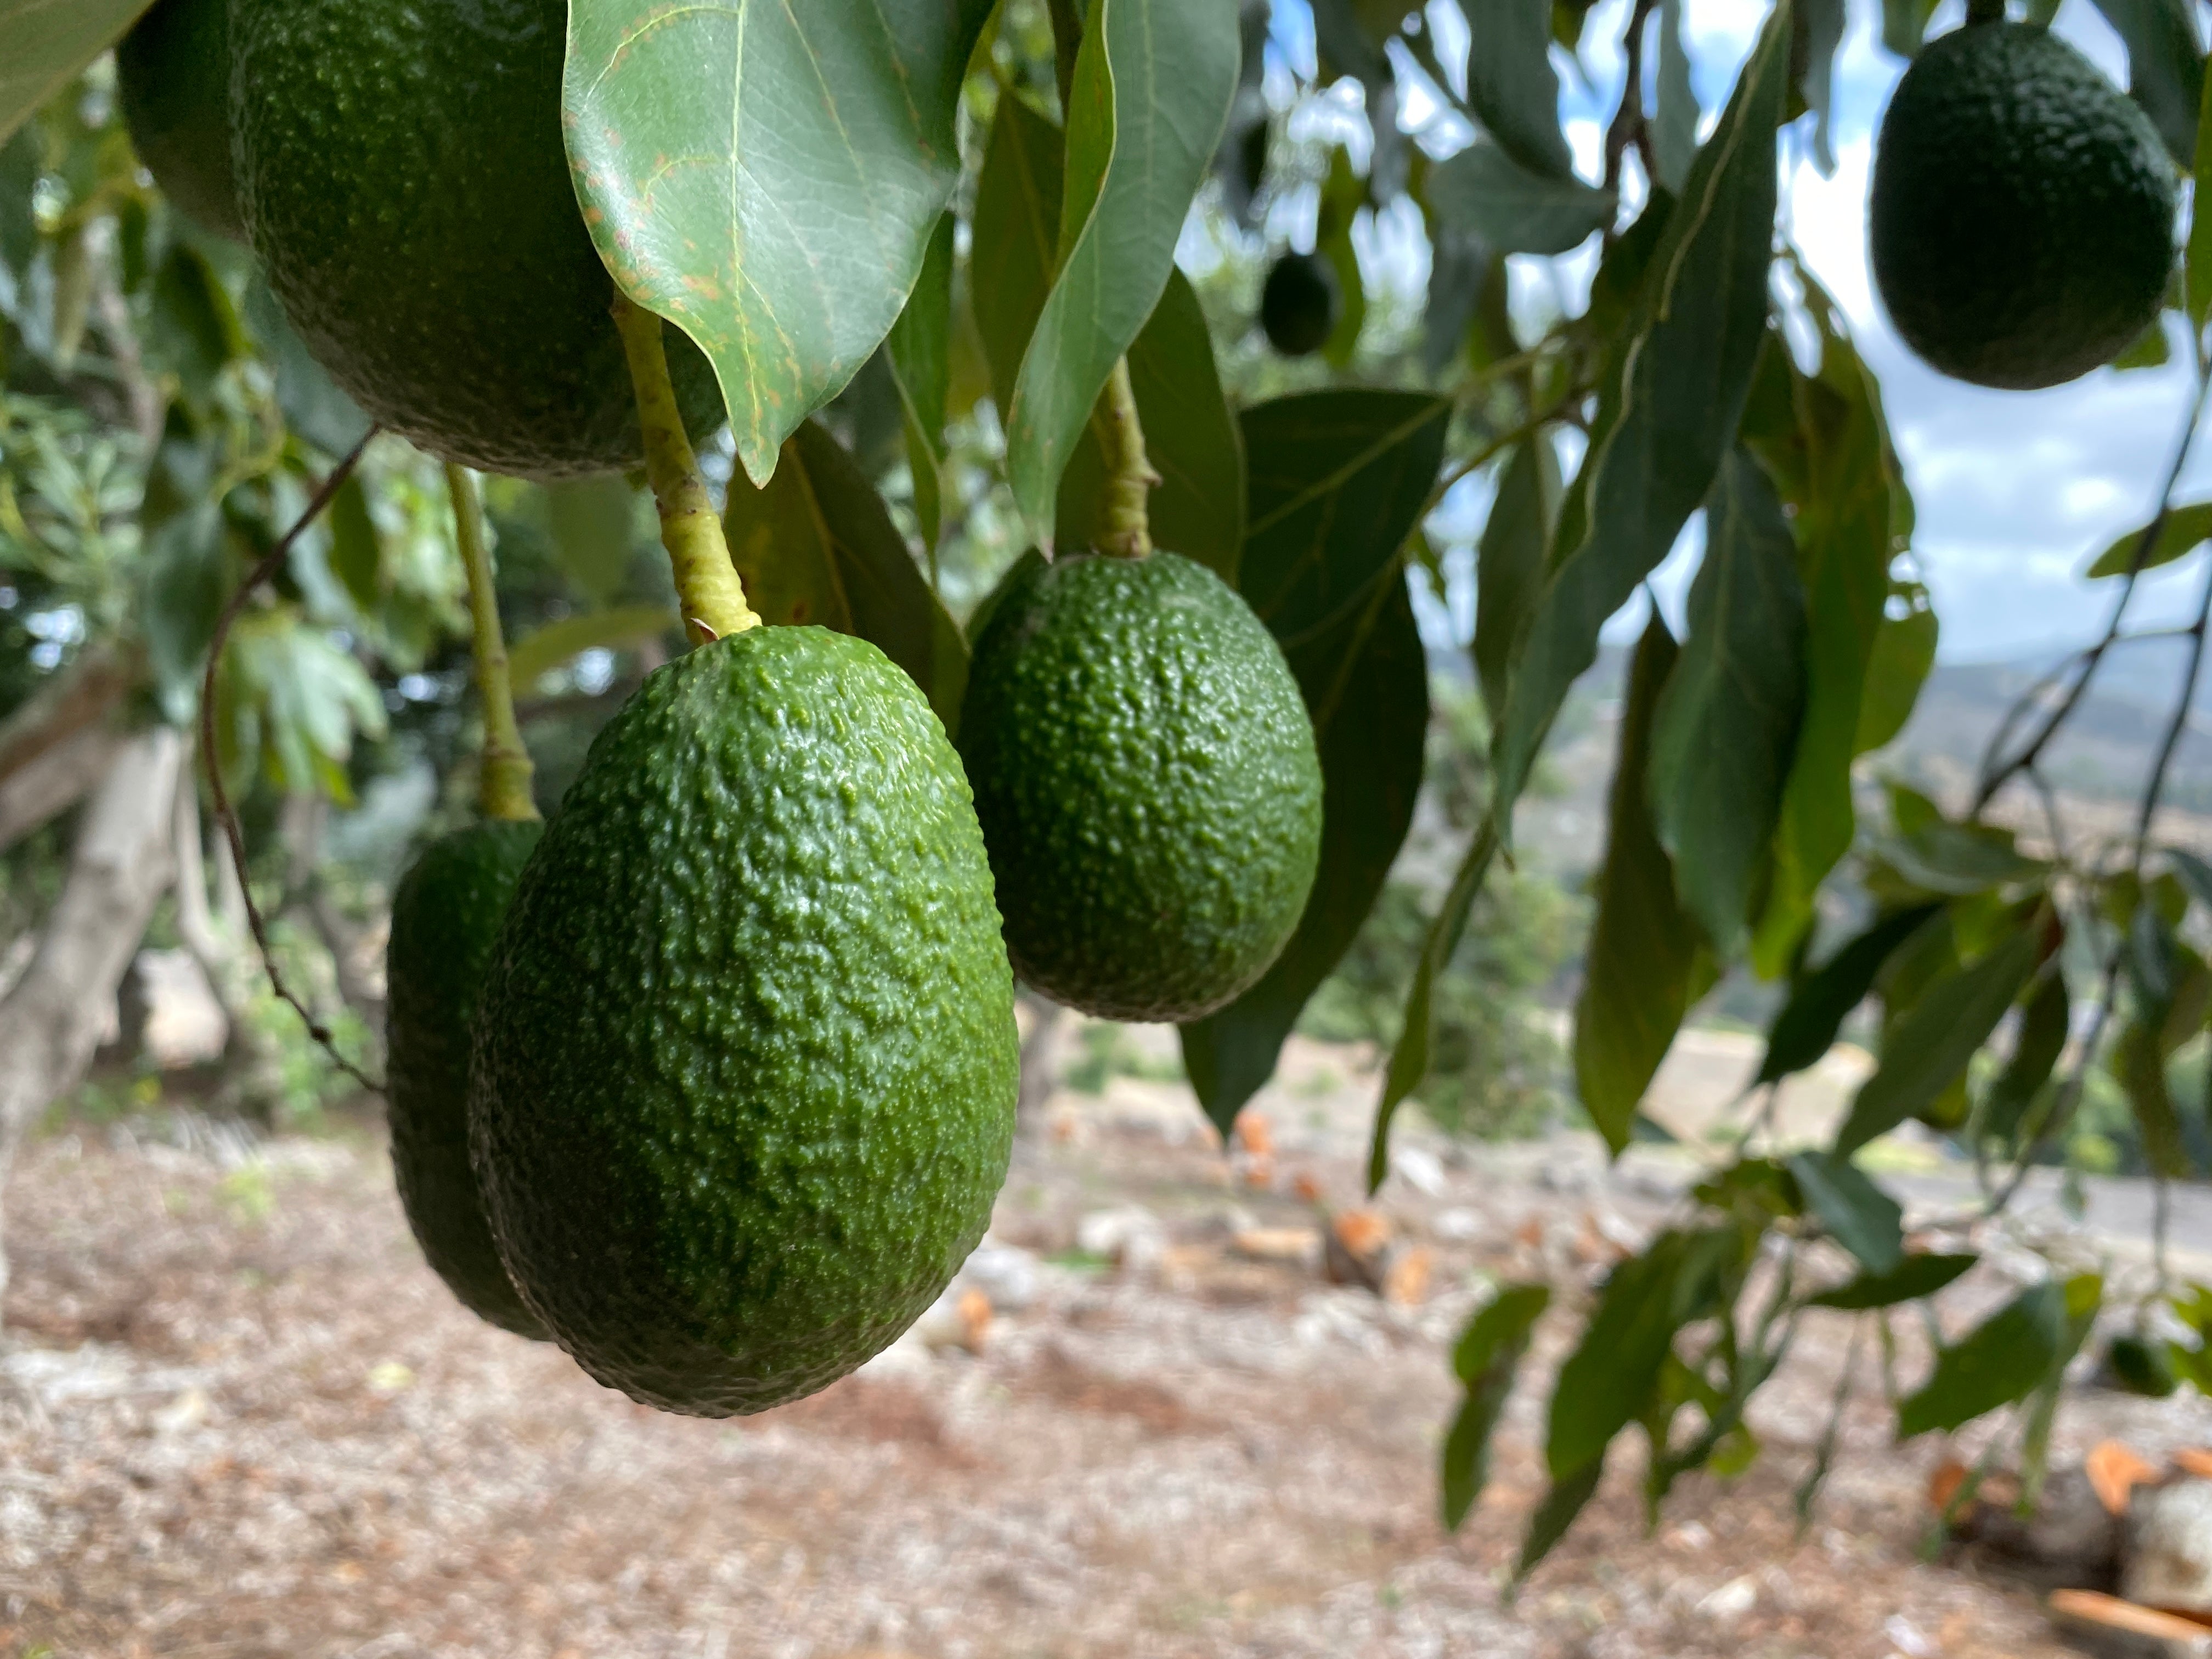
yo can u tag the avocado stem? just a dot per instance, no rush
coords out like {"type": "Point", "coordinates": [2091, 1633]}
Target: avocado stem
{"type": "Point", "coordinates": [706, 586]}
{"type": "Point", "coordinates": [503, 792]}
{"type": "Point", "coordinates": [1125, 527]}
{"type": "Point", "coordinates": [1986, 11]}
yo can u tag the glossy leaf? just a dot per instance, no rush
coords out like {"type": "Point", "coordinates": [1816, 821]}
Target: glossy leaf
{"type": "Point", "coordinates": [1338, 482]}
{"type": "Point", "coordinates": [1904, 656]}
{"type": "Point", "coordinates": [1562, 1502]}
{"type": "Point", "coordinates": [1513, 210]}
{"type": "Point", "coordinates": [1488, 1354]}
{"type": "Point", "coordinates": [1511, 85]}
{"type": "Point", "coordinates": [921, 350]}
{"type": "Point", "coordinates": [1928, 1049]}
{"type": "Point", "coordinates": [186, 577]}
{"type": "Point", "coordinates": [1905, 24]}
{"type": "Point", "coordinates": [768, 178]}
{"type": "Point", "coordinates": [2000, 1361]}
{"type": "Point", "coordinates": [2043, 1028]}
{"type": "Point", "coordinates": [1822, 22]}
{"type": "Point", "coordinates": [1914, 1277]}
{"type": "Point", "coordinates": [1016, 236]}
{"type": "Point", "coordinates": [1508, 567]}
{"type": "Point", "coordinates": [2183, 530]}
{"type": "Point", "coordinates": [1674, 122]}
{"type": "Point", "coordinates": [356, 550]}
{"type": "Point", "coordinates": [559, 643]}
{"type": "Point", "coordinates": [2197, 261]}
{"type": "Point", "coordinates": [1152, 91]}
{"type": "Point", "coordinates": [1673, 413]}
{"type": "Point", "coordinates": [44, 42]}
{"type": "Point", "coordinates": [2166, 66]}
{"type": "Point", "coordinates": [2139, 1064]}
{"type": "Point", "coordinates": [1724, 730]}
{"type": "Point", "coordinates": [1643, 949]}
{"type": "Point", "coordinates": [592, 521]}
{"type": "Point", "coordinates": [1818, 1005]}
{"type": "Point", "coordinates": [1959, 859]}
{"type": "Point", "coordinates": [818, 545]}
{"type": "Point", "coordinates": [1861, 1217]}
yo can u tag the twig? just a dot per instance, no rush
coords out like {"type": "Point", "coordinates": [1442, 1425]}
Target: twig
{"type": "Point", "coordinates": [224, 816]}
{"type": "Point", "coordinates": [1628, 124]}
{"type": "Point", "coordinates": [503, 792]}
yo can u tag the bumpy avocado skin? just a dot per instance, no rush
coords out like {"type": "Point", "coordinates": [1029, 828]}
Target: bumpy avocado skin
{"type": "Point", "coordinates": [746, 1063]}
{"type": "Point", "coordinates": [445, 918]}
{"type": "Point", "coordinates": [172, 81]}
{"type": "Point", "coordinates": [1146, 773]}
{"type": "Point", "coordinates": [2021, 216]}
{"type": "Point", "coordinates": [401, 171]}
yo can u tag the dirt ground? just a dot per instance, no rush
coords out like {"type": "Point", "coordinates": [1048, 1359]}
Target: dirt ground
{"type": "Point", "coordinates": [239, 1417]}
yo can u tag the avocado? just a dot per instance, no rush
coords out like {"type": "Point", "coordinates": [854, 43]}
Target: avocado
{"type": "Point", "coordinates": [172, 81]}
{"type": "Point", "coordinates": [402, 174]}
{"type": "Point", "coordinates": [2141, 1365]}
{"type": "Point", "coordinates": [1299, 304]}
{"type": "Point", "coordinates": [445, 917]}
{"type": "Point", "coordinates": [2021, 215]}
{"type": "Point", "coordinates": [745, 1065]}
{"type": "Point", "coordinates": [1146, 775]}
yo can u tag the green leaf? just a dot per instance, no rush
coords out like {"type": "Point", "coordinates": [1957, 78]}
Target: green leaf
{"type": "Point", "coordinates": [2139, 1063]}
{"type": "Point", "coordinates": [768, 178]}
{"type": "Point", "coordinates": [1562, 1503]}
{"type": "Point", "coordinates": [559, 643]}
{"type": "Point", "coordinates": [1927, 1050]}
{"type": "Point", "coordinates": [1511, 85]}
{"type": "Point", "coordinates": [1643, 949]}
{"type": "Point", "coordinates": [186, 577]}
{"type": "Point", "coordinates": [2195, 875]}
{"type": "Point", "coordinates": [1904, 25]}
{"type": "Point", "coordinates": [2198, 262]}
{"type": "Point", "coordinates": [313, 406]}
{"type": "Point", "coordinates": [1153, 83]}
{"type": "Point", "coordinates": [1863, 1219]}
{"type": "Point", "coordinates": [1914, 1277]}
{"type": "Point", "coordinates": [356, 550]}
{"type": "Point", "coordinates": [1903, 655]}
{"type": "Point", "coordinates": [44, 42]}
{"type": "Point", "coordinates": [1822, 24]}
{"type": "Point", "coordinates": [592, 521]}
{"type": "Point", "coordinates": [1513, 210]}
{"type": "Point", "coordinates": [2043, 1028]}
{"type": "Point", "coordinates": [2000, 1361]}
{"type": "Point", "coordinates": [1016, 236]}
{"type": "Point", "coordinates": [1508, 567]}
{"type": "Point", "coordinates": [1673, 414]}
{"type": "Point", "coordinates": [1721, 739]}
{"type": "Point", "coordinates": [1338, 482]}
{"type": "Point", "coordinates": [921, 348]}
{"type": "Point", "coordinates": [1343, 193]}
{"type": "Point", "coordinates": [1489, 1351]}
{"type": "Point", "coordinates": [2184, 529]}
{"type": "Point", "coordinates": [818, 545]}
{"type": "Point", "coordinates": [1674, 123]}
{"type": "Point", "coordinates": [196, 332]}
{"type": "Point", "coordinates": [2166, 66]}
{"type": "Point", "coordinates": [1818, 1005]}
{"type": "Point", "coordinates": [1959, 859]}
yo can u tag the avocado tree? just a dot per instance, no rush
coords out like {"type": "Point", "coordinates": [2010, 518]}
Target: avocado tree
{"type": "Point", "coordinates": [884, 305]}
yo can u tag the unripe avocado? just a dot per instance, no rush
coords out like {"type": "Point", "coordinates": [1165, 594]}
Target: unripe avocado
{"type": "Point", "coordinates": [172, 81]}
{"type": "Point", "coordinates": [402, 174]}
{"type": "Point", "coordinates": [746, 1065]}
{"type": "Point", "coordinates": [1145, 770]}
{"type": "Point", "coordinates": [2021, 216]}
{"type": "Point", "coordinates": [1299, 304]}
{"type": "Point", "coordinates": [445, 917]}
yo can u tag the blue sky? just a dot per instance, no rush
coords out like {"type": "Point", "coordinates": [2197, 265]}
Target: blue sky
{"type": "Point", "coordinates": [2015, 490]}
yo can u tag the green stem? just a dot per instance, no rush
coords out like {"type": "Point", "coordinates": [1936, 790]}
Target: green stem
{"type": "Point", "coordinates": [1986, 11]}
{"type": "Point", "coordinates": [1125, 527]}
{"type": "Point", "coordinates": [503, 792]}
{"type": "Point", "coordinates": [707, 585]}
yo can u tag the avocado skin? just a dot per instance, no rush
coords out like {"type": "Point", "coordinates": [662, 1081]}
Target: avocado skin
{"type": "Point", "coordinates": [172, 81]}
{"type": "Point", "coordinates": [445, 918]}
{"type": "Point", "coordinates": [746, 1064]}
{"type": "Point", "coordinates": [401, 171]}
{"type": "Point", "coordinates": [1299, 304]}
{"type": "Point", "coordinates": [1145, 773]}
{"type": "Point", "coordinates": [2021, 215]}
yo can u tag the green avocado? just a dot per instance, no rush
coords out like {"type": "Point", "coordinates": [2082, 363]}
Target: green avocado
{"type": "Point", "coordinates": [172, 81]}
{"type": "Point", "coordinates": [2141, 1364]}
{"type": "Point", "coordinates": [1146, 773]}
{"type": "Point", "coordinates": [746, 1067]}
{"type": "Point", "coordinates": [1299, 304]}
{"type": "Point", "coordinates": [402, 172]}
{"type": "Point", "coordinates": [445, 918]}
{"type": "Point", "coordinates": [2021, 216]}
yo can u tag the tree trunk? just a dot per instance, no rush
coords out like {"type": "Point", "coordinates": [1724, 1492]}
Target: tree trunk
{"type": "Point", "coordinates": [47, 786]}
{"type": "Point", "coordinates": [123, 863]}
{"type": "Point", "coordinates": [81, 696]}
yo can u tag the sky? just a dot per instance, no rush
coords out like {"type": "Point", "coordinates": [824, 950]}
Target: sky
{"type": "Point", "coordinates": [2015, 491]}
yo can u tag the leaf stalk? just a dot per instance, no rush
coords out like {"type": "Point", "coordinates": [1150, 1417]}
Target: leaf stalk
{"type": "Point", "coordinates": [503, 792]}
{"type": "Point", "coordinates": [1125, 527]}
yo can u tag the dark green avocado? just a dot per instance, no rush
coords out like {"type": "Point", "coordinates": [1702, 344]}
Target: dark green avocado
{"type": "Point", "coordinates": [445, 918]}
{"type": "Point", "coordinates": [402, 174]}
{"type": "Point", "coordinates": [172, 81]}
{"type": "Point", "coordinates": [1146, 773]}
{"type": "Point", "coordinates": [746, 1064]}
{"type": "Point", "coordinates": [2021, 216]}
{"type": "Point", "coordinates": [1299, 304]}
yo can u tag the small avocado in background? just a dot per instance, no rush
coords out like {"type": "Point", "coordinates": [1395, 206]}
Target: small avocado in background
{"type": "Point", "coordinates": [402, 174]}
{"type": "Point", "coordinates": [746, 1064]}
{"type": "Point", "coordinates": [2141, 1364]}
{"type": "Point", "coordinates": [2021, 215]}
{"type": "Point", "coordinates": [1299, 305]}
{"type": "Point", "coordinates": [173, 82]}
{"type": "Point", "coordinates": [1146, 773]}
{"type": "Point", "coordinates": [445, 917]}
